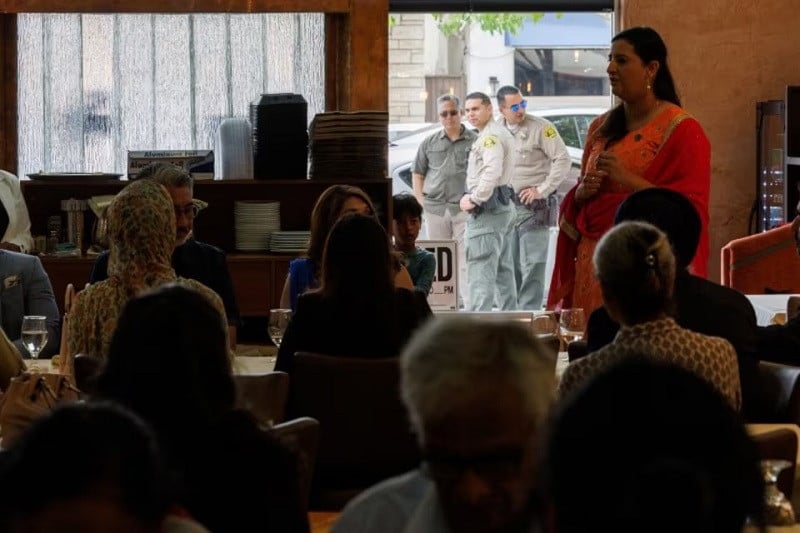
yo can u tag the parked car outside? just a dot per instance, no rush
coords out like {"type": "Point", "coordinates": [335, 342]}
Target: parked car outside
{"type": "Point", "coordinates": [571, 122]}
{"type": "Point", "coordinates": [401, 129]}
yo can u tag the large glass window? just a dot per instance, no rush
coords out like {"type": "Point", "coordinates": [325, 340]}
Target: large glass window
{"type": "Point", "coordinates": [92, 87]}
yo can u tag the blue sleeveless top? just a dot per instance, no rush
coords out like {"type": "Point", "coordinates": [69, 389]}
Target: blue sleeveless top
{"type": "Point", "coordinates": [302, 276]}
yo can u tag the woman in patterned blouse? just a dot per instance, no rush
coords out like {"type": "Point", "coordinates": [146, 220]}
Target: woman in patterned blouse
{"type": "Point", "coordinates": [636, 270]}
{"type": "Point", "coordinates": [141, 233]}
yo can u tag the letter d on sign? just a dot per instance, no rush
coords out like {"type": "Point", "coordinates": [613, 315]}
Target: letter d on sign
{"type": "Point", "coordinates": [444, 264]}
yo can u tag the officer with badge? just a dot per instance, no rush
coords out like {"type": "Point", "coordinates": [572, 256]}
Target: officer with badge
{"type": "Point", "coordinates": [541, 164]}
{"type": "Point", "coordinates": [488, 201]}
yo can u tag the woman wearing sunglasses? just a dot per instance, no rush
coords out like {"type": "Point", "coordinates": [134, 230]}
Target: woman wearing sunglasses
{"type": "Point", "coordinates": [646, 141]}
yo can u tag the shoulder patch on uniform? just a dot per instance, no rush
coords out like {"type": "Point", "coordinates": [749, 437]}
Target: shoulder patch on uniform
{"type": "Point", "coordinates": [550, 132]}
{"type": "Point", "coordinates": [489, 141]}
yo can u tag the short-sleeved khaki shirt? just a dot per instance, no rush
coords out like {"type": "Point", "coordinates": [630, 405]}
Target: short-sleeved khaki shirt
{"type": "Point", "coordinates": [444, 164]}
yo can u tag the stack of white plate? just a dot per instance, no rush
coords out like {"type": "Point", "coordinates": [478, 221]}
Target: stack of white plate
{"type": "Point", "coordinates": [289, 241]}
{"type": "Point", "coordinates": [254, 223]}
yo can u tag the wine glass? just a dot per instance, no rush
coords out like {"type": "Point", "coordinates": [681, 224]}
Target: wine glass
{"type": "Point", "coordinates": [573, 323]}
{"type": "Point", "coordinates": [34, 335]}
{"type": "Point", "coordinates": [278, 320]}
{"type": "Point", "coordinates": [778, 509]}
{"type": "Point", "coordinates": [545, 325]}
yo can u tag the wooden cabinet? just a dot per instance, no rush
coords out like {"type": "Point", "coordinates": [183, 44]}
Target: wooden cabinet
{"type": "Point", "coordinates": [257, 278]}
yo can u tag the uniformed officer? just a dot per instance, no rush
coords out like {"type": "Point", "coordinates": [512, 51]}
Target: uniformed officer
{"type": "Point", "coordinates": [439, 176]}
{"type": "Point", "coordinates": [489, 201]}
{"type": "Point", "coordinates": [541, 164]}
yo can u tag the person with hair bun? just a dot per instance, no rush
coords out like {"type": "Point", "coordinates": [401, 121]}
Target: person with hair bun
{"type": "Point", "coordinates": [646, 141]}
{"type": "Point", "coordinates": [635, 267]}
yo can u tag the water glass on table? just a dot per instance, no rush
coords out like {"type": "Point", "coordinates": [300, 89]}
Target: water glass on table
{"type": "Point", "coordinates": [278, 321]}
{"type": "Point", "coordinates": [34, 336]}
{"type": "Point", "coordinates": [572, 324]}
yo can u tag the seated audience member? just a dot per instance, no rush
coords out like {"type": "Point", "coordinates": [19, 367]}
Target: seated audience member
{"type": "Point", "coordinates": [420, 263]}
{"type": "Point", "coordinates": [698, 304]}
{"type": "Point", "coordinates": [109, 475]}
{"type": "Point", "coordinates": [335, 202]}
{"type": "Point", "coordinates": [478, 395]}
{"type": "Point", "coordinates": [636, 269]}
{"type": "Point", "coordinates": [15, 223]}
{"type": "Point", "coordinates": [169, 364]}
{"type": "Point", "coordinates": [26, 290]}
{"type": "Point", "coordinates": [141, 234]}
{"type": "Point", "coordinates": [191, 258]}
{"type": "Point", "coordinates": [357, 311]}
{"type": "Point", "coordinates": [649, 446]}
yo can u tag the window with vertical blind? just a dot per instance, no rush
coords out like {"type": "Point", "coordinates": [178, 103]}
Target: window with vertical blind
{"type": "Point", "coordinates": [91, 87]}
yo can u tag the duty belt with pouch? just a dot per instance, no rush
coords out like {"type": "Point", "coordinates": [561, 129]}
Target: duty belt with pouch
{"type": "Point", "coordinates": [502, 195]}
{"type": "Point", "coordinates": [542, 213]}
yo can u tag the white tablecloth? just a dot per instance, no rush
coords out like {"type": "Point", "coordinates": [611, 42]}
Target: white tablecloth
{"type": "Point", "coordinates": [242, 365]}
{"type": "Point", "coordinates": [769, 307]}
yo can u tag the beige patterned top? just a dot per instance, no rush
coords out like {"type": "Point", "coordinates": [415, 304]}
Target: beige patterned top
{"type": "Point", "coordinates": [711, 358]}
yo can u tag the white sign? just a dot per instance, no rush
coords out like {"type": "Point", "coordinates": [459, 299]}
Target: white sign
{"type": "Point", "coordinates": [444, 290]}
{"type": "Point", "coordinates": [200, 163]}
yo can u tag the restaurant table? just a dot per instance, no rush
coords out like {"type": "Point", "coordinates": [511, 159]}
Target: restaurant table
{"type": "Point", "coordinates": [321, 522]}
{"type": "Point", "coordinates": [248, 365]}
{"type": "Point", "coordinates": [769, 308]}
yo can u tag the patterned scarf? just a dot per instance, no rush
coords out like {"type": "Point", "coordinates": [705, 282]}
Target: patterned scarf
{"type": "Point", "coordinates": [141, 233]}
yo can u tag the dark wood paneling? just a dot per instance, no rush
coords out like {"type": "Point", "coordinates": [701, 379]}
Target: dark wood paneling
{"type": "Point", "coordinates": [368, 30]}
{"type": "Point", "coordinates": [8, 93]}
{"type": "Point", "coordinates": [257, 279]}
{"type": "Point", "coordinates": [215, 224]}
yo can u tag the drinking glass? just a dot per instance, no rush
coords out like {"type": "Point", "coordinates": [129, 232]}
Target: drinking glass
{"type": "Point", "coordinates": [573, 324]}
{"type": "Point", "coordinates": [34, 335]}
{"type": "Point", "coordinates": [545, 325]}
{"type": "Point", "coordinates": [777, 508]}
{"type": "Point", "coordinates": [278, 320]}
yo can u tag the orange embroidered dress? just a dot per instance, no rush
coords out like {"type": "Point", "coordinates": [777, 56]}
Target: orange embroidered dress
{"type": "Point", "coordinates": [671, 151]}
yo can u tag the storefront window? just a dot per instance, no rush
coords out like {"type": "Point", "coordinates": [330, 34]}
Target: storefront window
{"type": "Point", "coordinates": [92, 87]}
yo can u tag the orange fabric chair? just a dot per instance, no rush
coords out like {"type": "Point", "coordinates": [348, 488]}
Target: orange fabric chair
{"type": "Point", "coordinates": [762, 263]}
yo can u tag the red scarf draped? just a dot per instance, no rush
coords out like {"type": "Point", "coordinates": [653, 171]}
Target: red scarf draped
{"type": "Point", "coordinates": [683, 164]}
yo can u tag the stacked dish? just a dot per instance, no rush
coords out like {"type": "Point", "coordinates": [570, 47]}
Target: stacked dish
{"type": "Point", "coordinates": [285, 242]}
{"type": "Point", "coordinates": [254, 223]}
{"type": "Point", "coordinates": [349, 143]}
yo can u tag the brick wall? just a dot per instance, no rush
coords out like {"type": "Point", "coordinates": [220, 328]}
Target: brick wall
{"type": "Point", "coordinates": [407, 68]}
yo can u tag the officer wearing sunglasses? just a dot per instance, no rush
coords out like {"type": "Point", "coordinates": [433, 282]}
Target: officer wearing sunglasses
{"type": "Point", "coordinates": [541, 164]}
{"type": "Point", "coordinates": [439, 175]}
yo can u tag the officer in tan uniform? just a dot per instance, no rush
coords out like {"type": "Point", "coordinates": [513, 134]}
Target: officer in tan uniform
{"type": "Point", "coordinates": [541, 164]}
{"type": "Point", "coordinates": [488, 200]}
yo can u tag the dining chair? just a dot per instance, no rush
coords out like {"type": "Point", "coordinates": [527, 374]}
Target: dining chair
{"type": "Point", "coordinates": [264, 395]}
{"type": "Point", "coordinates": [577, 349]}
{"type": "Point", "coordinates": [780, 444]}
{"type": "Point", "coordinates": [365, 435]}
{"type": "Point", "coordinates": [86, 368]}
{"type": "Point", "coordinates": [762, 263]}
{"type": "Point", "coordinates": [780, 393]}
{"type": "Point", "coordinates": [301, 437]}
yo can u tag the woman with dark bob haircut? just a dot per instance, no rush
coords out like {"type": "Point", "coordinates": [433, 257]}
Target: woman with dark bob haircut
{"type": "Point", "coordinates": [357, 311]}
{"type": "Point", "coordinates": [168, 363]}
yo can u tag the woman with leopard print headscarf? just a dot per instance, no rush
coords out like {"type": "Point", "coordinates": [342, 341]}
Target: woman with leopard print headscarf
{"type": "Point", "coordinates": [141, 233]}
